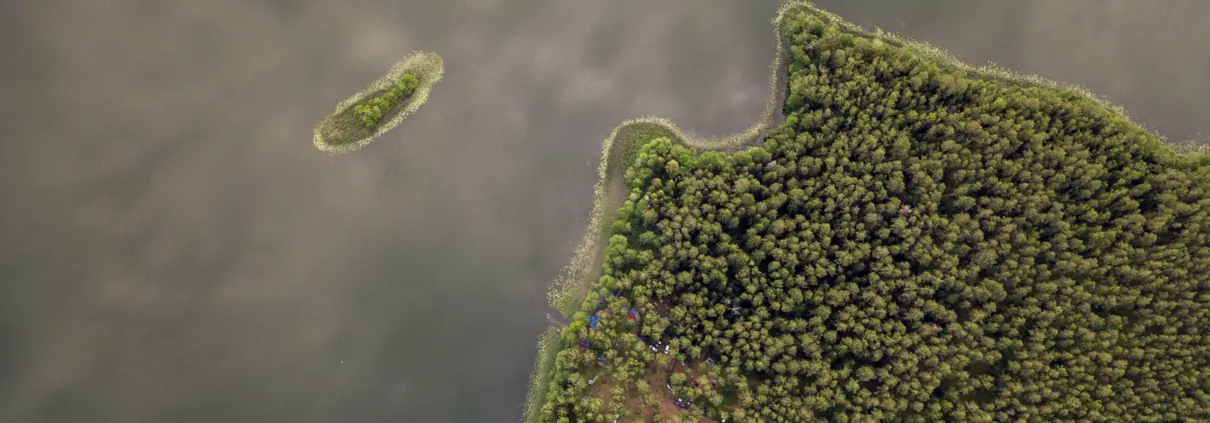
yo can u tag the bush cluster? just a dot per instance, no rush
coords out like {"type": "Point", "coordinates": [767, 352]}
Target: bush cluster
{"type": "Point", "coordinates": [371, 112]}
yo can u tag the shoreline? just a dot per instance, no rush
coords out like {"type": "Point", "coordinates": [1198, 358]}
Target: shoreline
{"type": "Point", "coordinates": [569, 289]}
{"type": "Point", "coordinates": [609, 191]}
{"type": "Point", "coordinates": [613, 167]}
{"type": "Point", "coordinates": [428, 67]}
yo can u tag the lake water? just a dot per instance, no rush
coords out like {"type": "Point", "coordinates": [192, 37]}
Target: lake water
{"type": "Point", "coordinates": [176, 250]}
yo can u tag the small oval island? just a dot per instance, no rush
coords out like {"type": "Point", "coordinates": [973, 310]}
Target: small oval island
{"type": "Point", "coordinates": [365, 116]}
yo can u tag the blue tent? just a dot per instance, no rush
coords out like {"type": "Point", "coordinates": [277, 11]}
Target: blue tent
{"type": "Point", "coordinates": [584, 344]}
{"type": "Point", "coordinates": [592, 321]}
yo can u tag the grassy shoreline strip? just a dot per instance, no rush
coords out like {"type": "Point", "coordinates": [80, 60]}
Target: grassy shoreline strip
{"type": "Point", "coordinates": [339, 133]}
{"type": "Point", "coordinates": [539, 379]}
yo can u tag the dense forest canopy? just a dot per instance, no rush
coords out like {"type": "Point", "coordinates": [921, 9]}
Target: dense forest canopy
{"type": "Point", "coordinates": [914, 243]}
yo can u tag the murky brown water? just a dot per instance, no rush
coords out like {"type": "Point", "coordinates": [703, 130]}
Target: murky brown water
{"type": "Point", "coordinates": [175, 250]}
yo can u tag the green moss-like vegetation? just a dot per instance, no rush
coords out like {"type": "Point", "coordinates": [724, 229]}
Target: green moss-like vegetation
{"type": "Point", "coordinates": [383, 105]}
{"type": "Point", "coordinates": [919, 241]}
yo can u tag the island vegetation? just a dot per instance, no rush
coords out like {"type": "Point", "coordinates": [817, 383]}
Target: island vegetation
{"type": "Point", "coordinates": [382, 106]}
{"type": "Point", "coordinates": [371, 112]}
{"type": "Point", "coordinates": [919, 240]}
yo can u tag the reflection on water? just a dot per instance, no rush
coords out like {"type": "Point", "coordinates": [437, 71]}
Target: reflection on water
{"type": "Point", "coordinates": [175, 249]}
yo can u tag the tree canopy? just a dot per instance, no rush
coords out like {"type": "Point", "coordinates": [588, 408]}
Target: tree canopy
{"type": "Point", "coordinates": [914, 243]}
{"type": "Point", "coordinates": [372, 111]}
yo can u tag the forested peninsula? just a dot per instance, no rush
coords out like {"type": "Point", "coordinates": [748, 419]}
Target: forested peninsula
{"type": "Point", "coordinates": [918, 241]}
{"type": "Point", "coordinates": [382, 106]}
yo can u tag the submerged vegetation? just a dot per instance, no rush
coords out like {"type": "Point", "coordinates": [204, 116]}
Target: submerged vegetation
{"type": "Point", "coordinates": [919, 241]}
{"type": "Point", "coordinates": [358, 121]}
